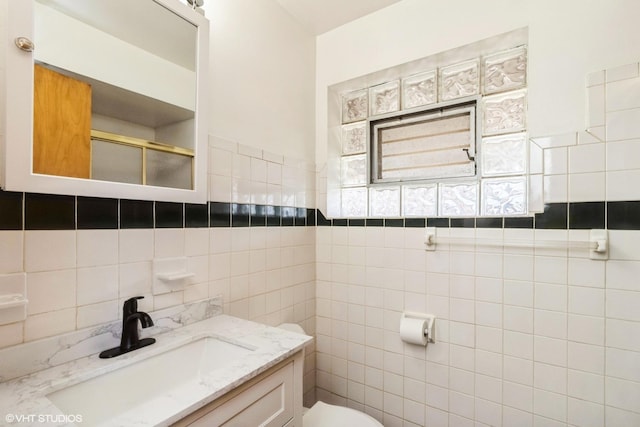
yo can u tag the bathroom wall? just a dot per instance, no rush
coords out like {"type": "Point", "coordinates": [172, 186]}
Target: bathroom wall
{"type": "Point", "coordinates": [84, 256]}
{"type": "Point", "coordinates": [526, 336]}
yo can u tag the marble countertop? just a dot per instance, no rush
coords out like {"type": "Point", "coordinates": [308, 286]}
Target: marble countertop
{"type": "Point", "coordinates": [23, 400]}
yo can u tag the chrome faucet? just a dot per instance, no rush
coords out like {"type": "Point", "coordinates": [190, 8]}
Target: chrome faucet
{"type": "Point", "coordinates": [130, 340]}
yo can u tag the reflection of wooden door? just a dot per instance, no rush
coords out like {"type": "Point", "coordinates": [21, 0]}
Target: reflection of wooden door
{"type": "Point", "coordinates": [61, 125]}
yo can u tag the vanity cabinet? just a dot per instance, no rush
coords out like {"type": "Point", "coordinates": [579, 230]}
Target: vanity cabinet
{"type": "Point", "coordinates": [271, 399]}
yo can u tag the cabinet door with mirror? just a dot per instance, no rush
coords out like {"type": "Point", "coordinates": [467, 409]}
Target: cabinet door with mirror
{"type": "Point", "coordinates": [110, 100]}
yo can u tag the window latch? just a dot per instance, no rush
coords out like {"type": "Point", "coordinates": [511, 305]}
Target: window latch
{"type": "Point", "coordinates": [469, 156]}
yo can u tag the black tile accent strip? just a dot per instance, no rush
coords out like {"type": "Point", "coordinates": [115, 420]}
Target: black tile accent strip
{"type": "Point", "coordinates": [623, 215]}
{"type": "Point", "coordinates": [273, 216]}
{"type": "Point", "coordinates": [520, 222]}
{"type": "Point", "coordinates": [311, 217]}
{"type": "Point", "coordinates": [585, 216]}
{"type": "Point", "coordinates": [219, 214]}
{"type": "Point", "coordinates": [463, 222]}
{"type": "Point", "coordinates": [339, 222]}
{"type": "Point", "coordinates": [438, 222]}
{"type": "Point", "coordinates": [415, 222]}
{"type": "Point", "coordinates": [394, 222]}
{"type": "Point", "coordinates": [356, 222]}
{"type": "Point", "coordinates": [136, 214]}
{"type": "Point", "coordinates": [489, 222]}
{"type": "Point", "coordinates": [169, 215]}
{"type": "Point", "coordinates": [196, 215]}
{"type": "Point", "coordinates": [10, 210]}
{"type": "Point", "coordinates": [374, 222]}
{"type": "Point", "coordinates": [321, 219]}
{"type": "Point", "coordinates": [240, 215]}
{"type": "Point", "coordinates": [258, 216]}
{"type": "Point", "coordinates": [554, 217]}
{"type": "Point", "coordinates": [97, 213]}
{"type": "Point", "coordinates": [301, 217]}
{"type": "Point", "coordinates": [288, 216]}
{"type": "Point", "coordinates": [49, 212]}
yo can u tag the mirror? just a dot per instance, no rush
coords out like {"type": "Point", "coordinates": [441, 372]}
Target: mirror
{"type": "Point", "coordinates": [115, 110]}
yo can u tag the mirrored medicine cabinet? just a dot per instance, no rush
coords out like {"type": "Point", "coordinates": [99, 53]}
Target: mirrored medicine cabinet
{"type": "Point", "coordinates": [105, 98]}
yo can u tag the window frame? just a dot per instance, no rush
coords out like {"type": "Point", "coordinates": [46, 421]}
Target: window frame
{"type": "Point", "coordinates": [430, 112]}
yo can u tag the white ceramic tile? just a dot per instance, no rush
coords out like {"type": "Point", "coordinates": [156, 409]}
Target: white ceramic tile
{"type": "Point", "coordinates": [598, 132]}
{"type": "Point", "coordinates": [535, 200]}
{"type": "Point", "coordinates": [134, 279]}
{"type": "Point", "coordinates": [489, 339]}
{"type": "Point", "coordinates": [11, 334]}
{"type": "Point", "coordinates": [623, 155]}
{"type": "Point", "coordinates": [97, 247]}
{"type": "Point", "coordinates": [220, 162]}
{"type": "Point", "coordinates": [49, 324]}
{"type": "Point", "coordinates": [622, 394]}
{"type": "Point", "coordinates": [584, 137]}
{"type": "Point", "coordinates": [222, 143]}
{"type": "Point", "coordinates": [488, 413]}
{"type": "Point", "coordinates": [623, 364]}
{"type": "Point", "coordinates": [550, 350]}
{"type": "Point", "coordinates": [595, 78]}
{"type": "Point", "coordinates": [97, 284]}
{"type": "Point", "coordinates": [617, 185]}
{"type": "Point", "coordinates": [555, 161]}
{"type": "Point", "coordinates": [241, 190]}
{"type": "Point", "coordinates": [258, 170]}
{"type": "Point", "coordinates": [596, 106]}
{"type": "Point", "coordinates": [587, 158]}
{"type": "Point", "coordinates": [518, 293]}
{"type": "Point", "coordinates": [136, 245]}
{"type": "Point", "coordinates": [518, 319]}
{"type": "Point", "coordinates": [518, 370]}
{"type": "Point", "coordinates": [550, 270]}
{"type": "Point", "coordinates": [585, 386]}
{"type": "Point", "coordinates": [47, 250]}
{"type": "Point", "coordinates": [583, 413]}
{"type": "Point", "coordinates": [461, 404]}
{"type": "Point", "coordinates": [587, 301]}
{"type": "Point", "coordinates": [562, 140]}
{"type": "Point", "coordinates": [550, 324]}
{"type": "Point", "coordinates": [518, 344]}
{"type": "Point", "coordinates": [555, 188]}
{"type": "Point", "coordinates": [241, 167]}
{"type": "Point", "coordinates": [11, 251]}
{"type": "Point", "coordinates": [517, 396]}
{"type": "Point", "coordinates": [220, 188]}
{"type": "Point", "coordinates": [621, 72]}
{"type": "Point", "coordinates": [623, 124]}
{"type": "Point", "coordinates": [550, 378]}
{"type": "Point", "coordinates": [586, 357]}
{"type": "Point", "coordinates": [623, 94]}
{"type": "Point", "coordinates": [51, 290]}
{"type": "Point", "coordinates": [489, 314]}
{"type": "Point", "coordinates": [620, 417]}
{"type": "Point", "coordinates": [583, 272]}
{"type": "Point", "coordinates": [625, 247]}
{"type": "Point", "coordinates": [169, 242]}
{"type": "Point", "coordinates": [515, 417]}
{"type": "Point", "coordinates": [587, 187]}
{"type": "Point", "coordinates": [488, 388]}
{"type": "Point", "coordinates": [95, 314]}
{"type": "Point", "coordinates": [623, 305]}
{"type": "Point", "coordinates": [550, 405]}
{"type": "Point", "coordinates": [586, 329]}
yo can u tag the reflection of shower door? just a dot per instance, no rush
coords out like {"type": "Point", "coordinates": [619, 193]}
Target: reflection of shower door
{"type": "Point", "coordinates": [61, 125]}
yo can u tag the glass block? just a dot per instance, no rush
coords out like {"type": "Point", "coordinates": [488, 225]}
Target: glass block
{"type": "Point", "coordinates": [460, 80]}
{"type": "Point", "coordinates": [354, 202]}
{"type": "Point", "coordinates": [459, 199]}
{"type": "Point", "coordinates": [384, 202]}
{"type": "Point", "coordinates": [384, 98]}
{"type": "Point", "coordinates": [354, 106]}
{"type": "Point", "coordinates": [505, 70]}
{"type": "Point", "coordinates": [354, 138]}
{"type": "Point", "coordinates": [420, 89]}
{"type": "Point", "coordinates": [504, 196]}
{"type": "Point", "coordinates": [420, 200]}
{"type": "Point", "coordinates": [505, 113]}
{"type": "Point", "coordinates": [504, 155]}
{"type": "Point", "coordinates": [354, 170]}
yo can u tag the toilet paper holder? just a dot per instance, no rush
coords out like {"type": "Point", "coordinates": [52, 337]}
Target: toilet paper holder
{"type": "Point", "coordinates": [430, 331]}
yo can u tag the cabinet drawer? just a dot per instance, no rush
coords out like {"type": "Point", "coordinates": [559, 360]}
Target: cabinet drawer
{"type": "Point", "coordinates": [267, 402]}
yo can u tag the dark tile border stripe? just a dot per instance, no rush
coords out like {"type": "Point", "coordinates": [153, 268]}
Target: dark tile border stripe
{"type": "Point", "coordinates": [34, 211]}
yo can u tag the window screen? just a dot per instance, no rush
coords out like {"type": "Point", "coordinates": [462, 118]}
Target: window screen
{"type": "Point", "coordinates": [427, 145]}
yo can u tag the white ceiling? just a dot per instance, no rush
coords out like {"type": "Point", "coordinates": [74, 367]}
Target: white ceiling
{"type": "Point", "coordinates": [320, 16]}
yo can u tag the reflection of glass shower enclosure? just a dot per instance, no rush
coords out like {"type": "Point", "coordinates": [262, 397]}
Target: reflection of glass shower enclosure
{"type": "Point", "coordinates": [138, 161]}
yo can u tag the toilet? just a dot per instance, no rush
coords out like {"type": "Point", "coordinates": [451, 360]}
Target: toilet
{"type": "Point", "coordinates": [322, 414]}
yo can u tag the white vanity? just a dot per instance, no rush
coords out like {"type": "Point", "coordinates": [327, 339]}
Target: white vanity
{"type": "Point", "coordinates": [221, 371]}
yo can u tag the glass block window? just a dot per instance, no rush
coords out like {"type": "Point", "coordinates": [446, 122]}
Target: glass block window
{"type": "Point", "coordinates": [430, 145]}
{"type": "Point", "coordinates": [449, 140]}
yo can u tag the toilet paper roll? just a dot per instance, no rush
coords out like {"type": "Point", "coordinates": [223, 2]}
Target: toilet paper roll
{"type": "Point", "coordinates": [413, 330]}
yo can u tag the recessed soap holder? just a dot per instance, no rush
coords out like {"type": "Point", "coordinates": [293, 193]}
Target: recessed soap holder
{"type": "Point", "coordinates": [13, 298]}
{"type": "Point", "coordinates": [170, 275]}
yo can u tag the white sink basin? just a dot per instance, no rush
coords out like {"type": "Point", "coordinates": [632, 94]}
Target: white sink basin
{"type": "Point", "coordinates": [105, 397]}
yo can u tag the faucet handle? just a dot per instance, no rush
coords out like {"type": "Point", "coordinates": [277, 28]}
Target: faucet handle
{"type": "Point", "coordinates": [131, 305]}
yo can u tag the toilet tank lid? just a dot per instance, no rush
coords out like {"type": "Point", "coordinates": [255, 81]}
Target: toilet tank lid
{"type": "Point", "coordinates": [292, 327]}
